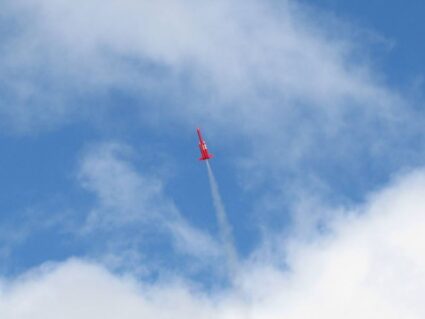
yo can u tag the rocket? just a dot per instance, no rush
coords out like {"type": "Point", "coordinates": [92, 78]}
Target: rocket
{"type": "Point", "coordinates": [203, 148]}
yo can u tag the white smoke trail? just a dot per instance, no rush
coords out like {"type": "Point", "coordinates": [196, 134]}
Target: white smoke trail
{"type": "Point", "coordinates": [225, 229]}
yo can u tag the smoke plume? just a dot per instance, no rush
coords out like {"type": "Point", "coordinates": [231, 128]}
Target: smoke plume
{"type": "Point", "coordinates": [224, 227]}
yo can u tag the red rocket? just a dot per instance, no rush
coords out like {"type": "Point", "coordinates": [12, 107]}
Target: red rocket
{"type": "Point", "coordinates": [203, 148]}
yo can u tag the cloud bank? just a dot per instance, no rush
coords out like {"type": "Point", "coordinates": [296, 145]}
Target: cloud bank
{"type": "Point", "coordinates": [371, 264]}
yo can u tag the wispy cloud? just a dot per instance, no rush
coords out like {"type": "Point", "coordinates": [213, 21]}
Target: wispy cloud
{"type": "Point", "coordinates": [132, 208]}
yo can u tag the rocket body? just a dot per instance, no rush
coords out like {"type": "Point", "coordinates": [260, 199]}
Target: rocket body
{"type": "Point", "coordinates": [205, 155]}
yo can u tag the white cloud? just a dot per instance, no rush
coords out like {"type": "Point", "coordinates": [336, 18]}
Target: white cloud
{"type": "Point", "coordinates": [236, 46]}
{"type": "Point", "coordinates": [91, 292]}
{"type": "Point", "coordinates": [370, 265]}
{"type": "Point", "coordinates": [240, 51]}
{"type": "Point", "coordinates": [133, 206]}
{"type": "Point", "coordinates": [124, 195]}
{"type": "Point", "coordinates": [219, 63]}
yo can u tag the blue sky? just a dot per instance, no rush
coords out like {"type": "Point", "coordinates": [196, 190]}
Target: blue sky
{"type": "Point", "coordinates": [399, 23]}
{"type": "Point", "coordinates": [313, 110]}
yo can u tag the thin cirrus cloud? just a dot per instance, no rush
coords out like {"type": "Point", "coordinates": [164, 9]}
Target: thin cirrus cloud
{"type": "Point", "coordinates": [132, 205]}
{"type": "Point", "coordinates": [371, 264]}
